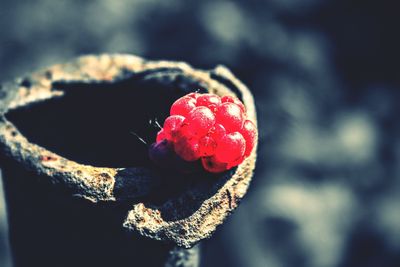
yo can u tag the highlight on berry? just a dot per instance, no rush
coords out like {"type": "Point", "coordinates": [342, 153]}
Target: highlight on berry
{"type": "Point", "coordinates": [207, 128]}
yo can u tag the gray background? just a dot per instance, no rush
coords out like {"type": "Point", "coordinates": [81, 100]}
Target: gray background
{"type": "Point", "coordinates": [325, 78]}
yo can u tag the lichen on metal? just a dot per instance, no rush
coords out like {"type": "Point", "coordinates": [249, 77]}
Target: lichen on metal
{"type": "Point", "coordinates": [171, 221]}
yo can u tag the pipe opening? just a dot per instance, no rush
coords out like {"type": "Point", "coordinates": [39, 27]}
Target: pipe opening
{"type": "Point", "coordinates": [93, 123]}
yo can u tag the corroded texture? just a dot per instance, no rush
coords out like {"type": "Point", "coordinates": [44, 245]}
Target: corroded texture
{"type": "Point", "coordinates": [170, 221]}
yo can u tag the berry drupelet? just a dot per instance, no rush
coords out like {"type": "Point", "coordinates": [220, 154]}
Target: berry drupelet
{"type": "Point", "coordinates": [209, 128]}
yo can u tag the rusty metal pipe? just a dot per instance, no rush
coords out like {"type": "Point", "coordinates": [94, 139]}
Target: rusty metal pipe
{"type": "Point", "coordinates": [80, 191]}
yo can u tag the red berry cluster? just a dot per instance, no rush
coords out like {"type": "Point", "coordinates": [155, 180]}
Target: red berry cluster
{"type": "Point", "coordinates": [210, 128]}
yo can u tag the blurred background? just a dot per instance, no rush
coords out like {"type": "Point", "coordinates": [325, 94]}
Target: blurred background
{"type": "Point", "coordinates": [325, 76]}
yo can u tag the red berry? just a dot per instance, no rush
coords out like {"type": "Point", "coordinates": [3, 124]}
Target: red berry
{"type": "Point", "coordinates": [217, 132]}
{"type": "Point", "coordinates": [187, 148]}
{"type": "Point", "coordinates": [183, 106]}
{"type": "Point", "coordinates": [230, 148]}
{"type": "Point", "coordinates": [171, 126]}
{"type": "Point", "coordinates": [161, 136]}
{"type": "Point", "coordinates": [209, 100]}
{"type": "Point", "coordinates": [200, 120]}
{"type": "Point", "coordinates": [230, 116]}
{"type": "Point", "coordinates": [206, 127]}
{"type": "Point", "coordinates": [249, 132]}
{"type": "Point", "coordinates": [212, 165]}
{"type": "Point", "coordinates": [232, 99]}
{"type": "Point", "coordinates": [207, 146]}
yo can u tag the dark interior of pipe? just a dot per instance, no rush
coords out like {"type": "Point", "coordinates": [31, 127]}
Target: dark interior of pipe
{"type": "Point", "coordinates": [99, 123]}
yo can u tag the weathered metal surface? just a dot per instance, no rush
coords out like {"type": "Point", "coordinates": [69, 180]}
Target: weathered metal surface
{"type": "Point", "coordinates": [181, 219]}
